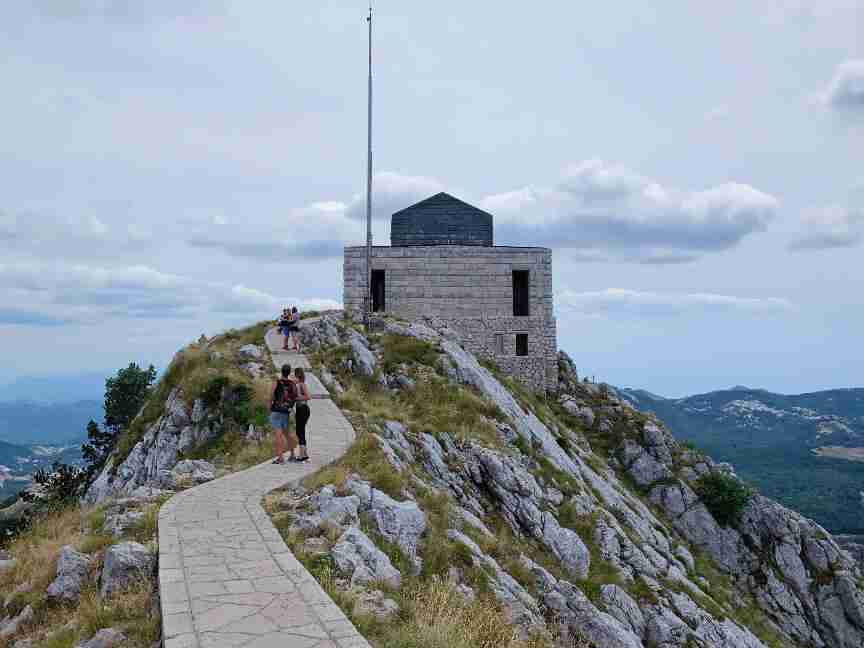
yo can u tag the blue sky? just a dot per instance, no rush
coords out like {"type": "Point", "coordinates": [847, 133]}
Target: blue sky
{"type": "Point", "coordinates": [698, 169]}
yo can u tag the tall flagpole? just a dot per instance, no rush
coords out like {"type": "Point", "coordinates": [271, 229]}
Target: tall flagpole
{"type": "Point", "coordinates": [367, 306]}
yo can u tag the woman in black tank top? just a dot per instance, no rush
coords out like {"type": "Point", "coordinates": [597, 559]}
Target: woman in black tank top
{"type": "Point", "coordinates": [302, 413]}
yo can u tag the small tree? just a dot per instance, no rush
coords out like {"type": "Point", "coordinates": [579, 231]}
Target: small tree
{"type": "Point", "coordinates": [125, 393]}
{"type": "Point", "coordinates": [99, 445]}
{"type": "Point", "coordinates": [724, 496]}
{"type": "Point", "coordinates": [61, 486]}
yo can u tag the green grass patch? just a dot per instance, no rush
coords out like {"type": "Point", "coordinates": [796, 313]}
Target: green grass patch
{"type": "Point", "coordinates": [400, 349]}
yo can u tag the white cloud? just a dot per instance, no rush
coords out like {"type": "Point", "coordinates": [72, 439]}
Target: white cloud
{"type": "Point", "coordinates": [638, 303]}
{"type": "Point", "coordinates": [835, 226]}
{"type": "Point", "coordinates": [606, 206]}
{"type": "Point", "coordinates": [846, 89]}
{"type": "Point", "coordinates": [53, 293]}
{"type": "Point", "coordinates": [600, 211]}
{"type": "Point", "coordinates": [392, 192]}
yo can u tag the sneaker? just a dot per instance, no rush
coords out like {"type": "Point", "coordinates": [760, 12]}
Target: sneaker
{"type": "Point", "coordinates": [303, 459]}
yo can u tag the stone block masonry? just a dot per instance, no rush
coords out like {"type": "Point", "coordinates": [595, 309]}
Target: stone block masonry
{"type": "Point", "coordinates": [471, 289]}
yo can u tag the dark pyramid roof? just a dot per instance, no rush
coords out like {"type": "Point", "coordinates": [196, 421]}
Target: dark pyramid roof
{"type": "Point", "coordinates": [441, 220]}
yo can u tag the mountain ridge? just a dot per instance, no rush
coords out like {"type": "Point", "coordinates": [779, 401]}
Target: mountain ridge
{"type": "Point", "coordinates": [775, 442]}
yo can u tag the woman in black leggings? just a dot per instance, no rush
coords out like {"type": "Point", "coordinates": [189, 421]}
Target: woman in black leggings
{"type": "Point", "coordinates": [303, 413]}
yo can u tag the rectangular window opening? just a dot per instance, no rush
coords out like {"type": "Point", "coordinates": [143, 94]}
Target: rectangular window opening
{"type": "Point", "coordinates": [521, 293]}
{"type": "Point", "coordinates": [499, 344]}
{"type": "Point", "coordinates": [521, 344]}
{"type": "Point", "coordinates": [378, 290]}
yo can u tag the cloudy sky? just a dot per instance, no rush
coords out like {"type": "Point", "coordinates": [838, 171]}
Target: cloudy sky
{"type": "Point", "coordinates": [175, 167]}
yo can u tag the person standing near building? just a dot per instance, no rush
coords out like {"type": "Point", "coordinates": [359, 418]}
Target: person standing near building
{"type": "Point", "coordinates": [303, 412]}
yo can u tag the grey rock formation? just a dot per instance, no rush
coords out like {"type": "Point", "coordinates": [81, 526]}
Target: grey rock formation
{"type": "Point", "coordinates": [364, 362]}
{"type": "Point", "coordinates": [195, 470]}
{"type": "Point", "coordinates": [251, 352]}
{"type": "Point", "coordinates": [10, 626]}
{"type": "Point", "coordinates": [125, 564]}
{"type": "Point", "coordinates": [7, 561]}
{"type": "Point", "coordinates": [326, 508]}
{"type": "Point", "coordinates": [331, 382]}
{"type": "Point", "coordinates": [321, 331]}
{"type": "Point", "coordinates": [72, 569]}
{"type": "Point", "coordinates": [158, 450]}
{"type": "Point", "coordinates": [621, 605]}
{"type": "Point", "coordinates": [357, 557]}
{"type": "Point", "coordinates": [401, 523]}
{"type": "Point", "coordinates": [376, 604]}
{"type": "Point", "coordinates": [413, 329]}
{"type": "Point", "coordinates": [518, 604]}
{"type": "Point", "coordinates": [105, 638]}
{"type": "Point", "coordinates": [117, 524]}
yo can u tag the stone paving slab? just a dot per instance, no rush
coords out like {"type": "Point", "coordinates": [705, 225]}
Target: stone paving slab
{"type": "Point", "coordinates": [226, 577]}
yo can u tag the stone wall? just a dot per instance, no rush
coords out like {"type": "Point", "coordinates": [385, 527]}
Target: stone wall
{"type": "Point", "coordinates": [471, 289]}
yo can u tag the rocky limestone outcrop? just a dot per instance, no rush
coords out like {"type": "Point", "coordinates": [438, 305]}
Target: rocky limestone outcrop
{"type": "Point", "coordinates": [636, 503]}
{"type": "Point", "coordinates": [125, 564]}
{"type": "Point", "coordinates": [356, 556]}
{"type": "Point", "coordinates": [105, 638]}
{"type": "Point", "coordinates": [401, 523]}
{"type": "Point", "coordinates": [151, 461]}
{"type": "Point", "coordinates": [321, 331]}
{"type": "Point", "coordinates": [10, 625]}
{"type": "Point", "coordinates": [363, 361]}
{"type": "Point", "coordinates": [72, 569]}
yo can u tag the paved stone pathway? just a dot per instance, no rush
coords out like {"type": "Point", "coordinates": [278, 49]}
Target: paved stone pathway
{"type": "Point", "coordinates": [226, 578]}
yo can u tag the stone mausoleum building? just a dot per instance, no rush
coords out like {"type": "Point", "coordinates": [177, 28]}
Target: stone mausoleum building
{"type": "Point", "coordinates": [442, 264]}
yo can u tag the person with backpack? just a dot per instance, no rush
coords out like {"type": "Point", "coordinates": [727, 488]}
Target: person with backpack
{"type": "Point", "coordinates": [303, 412]}
{"type": "Point", "coordinates": [281, 405]}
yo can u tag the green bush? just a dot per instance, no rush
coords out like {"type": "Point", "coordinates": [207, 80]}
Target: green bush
{"type": "Point", "coordinates": [724, 496]}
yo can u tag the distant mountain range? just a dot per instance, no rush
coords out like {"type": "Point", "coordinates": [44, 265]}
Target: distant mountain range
{"type": "Point", "coordinates": [25, 422]}
{"type": "Point", "coordinates": [54, 389]}
{"type": "Point", "coordinates": [805, 450]}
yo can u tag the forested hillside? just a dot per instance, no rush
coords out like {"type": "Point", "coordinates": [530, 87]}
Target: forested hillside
{"type": "Point", "coordinates": [770, 439]}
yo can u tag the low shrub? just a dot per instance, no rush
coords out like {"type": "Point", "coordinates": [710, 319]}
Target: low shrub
{"type": "Point", "coordinates": [724, 496]}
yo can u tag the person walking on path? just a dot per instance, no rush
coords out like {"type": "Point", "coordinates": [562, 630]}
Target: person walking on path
{"type": "Point", "coordinates": [285, 326]}
{"type": "Point", "coordinates": [303, 412]}
{"type": "Point", "coordinates": [295, 328]}
{"type": "Point", "coordinates": [282, 402]}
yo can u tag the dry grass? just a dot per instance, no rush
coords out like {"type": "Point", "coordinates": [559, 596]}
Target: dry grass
{"type": "Point", "coordinates": [132, 611]}
{"type": "Point", "coordinates": [437, 616]}
{"type": "Point", "coordinates": [36, 552]}
{"type": "Point", "coordinates": [365, 458]}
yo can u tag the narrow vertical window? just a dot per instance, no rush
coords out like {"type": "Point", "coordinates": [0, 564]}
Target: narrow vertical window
{"type": "Point", "coordinates": [521, 344]}
{"type": "Point", "coordinates": [378, 291]}
{"type": "Point", "coordinates": [499, 344]}
{"type": "Point", "coordinates": [521, 293]}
